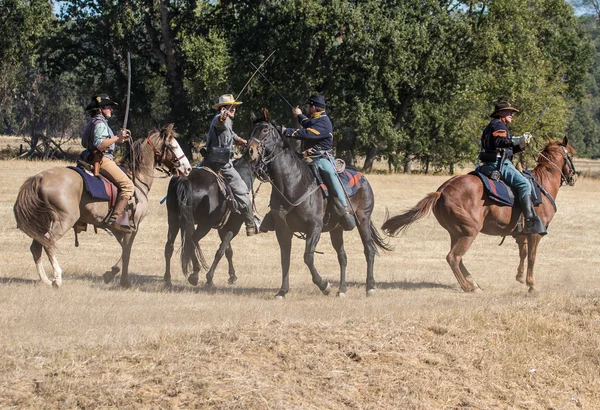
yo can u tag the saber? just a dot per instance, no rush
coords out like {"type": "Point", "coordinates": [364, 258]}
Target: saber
{"type": "Point", "coordinates": [272, 85]}
{"type": "Point", "coordinates": [248, 82]}
{"type": "Point", "coordinates": [548, 104]}
{"type": "Point", "coordinates": [128, 89]}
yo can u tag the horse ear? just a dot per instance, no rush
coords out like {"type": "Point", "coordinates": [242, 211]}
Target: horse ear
{"type": "Point", "coordinates": [267, 115]}
{"type": "Point", "coordinates": [565, 141]}
{"type": "Point", "coordinates": [169, 132]}
{"type": "Point", "coordinates": [252, 117]}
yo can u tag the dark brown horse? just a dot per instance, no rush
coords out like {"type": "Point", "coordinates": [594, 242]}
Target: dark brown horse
{"type": "Point", "coordinates": [296, 197]}
{"type": "Point", "coordinates": [51, 202]}
{"type": "Point", "coordinates": [463, 208]}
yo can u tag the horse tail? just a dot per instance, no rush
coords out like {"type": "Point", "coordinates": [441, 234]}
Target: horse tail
{"type": "Point", "coordinates": [379, 242]}
{"type": "Point", "coordinates": [185, 201]}
{"type": "Point", "coordinates": [34, 216]}
{"type": "Point", "coordinates": [400, 222]}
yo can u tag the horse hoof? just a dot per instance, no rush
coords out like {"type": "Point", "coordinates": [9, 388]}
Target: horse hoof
{"type": "Point", "coordinates": [232, 280]}
{"type": "Point", "coordinates": [370, 293]}
{"type": "Point", "coordinates": [193, 280]}
{"type": "Point", "coordinates": [279, 297]}
{"type": "Point", "coordinates": [341, 295]}
{"type": "Point", "coordinates": [55, 284]}
{"type": "Point", "coordinates": [327, 290]}
{"type": "Point", "coordinates": [210, 287]}
{"type": "Point", "coordinates": [126, 285]}
{"type": "Point", "coordinates": [520, 279]}
{"type": "Point", "coordinates": [108, 277]}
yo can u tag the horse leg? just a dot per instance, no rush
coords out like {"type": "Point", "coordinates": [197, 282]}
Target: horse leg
{"type": "Point", "coordinates": [57, 271]}
{"type": "Point", "coordinates": [36, 251]}
{"type": "Point", "coordinates": [364, 229]}
{"type": "Point", "coordinates": [199, 233]}
{"type": "Point", "coordinates": [458, 247]}
{"type": "Point", "coordinates": [533, 241]}
{"type": "Point", "coordinates": [229, 255]}
{"type": "Point", "coordinates": [284, 238]}
{"type": "Point", "coordinates": [169, 247]}
{"type": "Point", "coordinates": [522, 242]}
{"type": "Point", "coordinates": [225, 240]}
{"type": "Point", "coordinates": [312, 239]}
{"type": "Point", "coordinates": [116, 268]}
{"type": "Point", "coordinates": [337, 240]}
{"type": "Point", "coordinates": [126, 244]}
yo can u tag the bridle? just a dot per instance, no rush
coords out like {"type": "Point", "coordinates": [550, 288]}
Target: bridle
{"type": "Point", "coordinates": [265, 144]}
{"type": "Point", "coordinates": [569, 179]}
{"type": "Point", "coordinates": [166, 163]}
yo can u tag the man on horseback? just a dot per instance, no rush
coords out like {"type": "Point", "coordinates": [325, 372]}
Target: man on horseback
{"type": "Point", "coordinates": [221, 137]}
{"type": "Point", "coordinates": [497, 151]}
{"type": "Point", "coordinates": [316, 135]}
{"type": "Point", "coordinates": [98, 138]}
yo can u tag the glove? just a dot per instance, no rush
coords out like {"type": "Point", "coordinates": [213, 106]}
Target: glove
{"type": "Point", "coordinates": [519, 141]}
{"type": "Point", "coordinates": [527, 137]}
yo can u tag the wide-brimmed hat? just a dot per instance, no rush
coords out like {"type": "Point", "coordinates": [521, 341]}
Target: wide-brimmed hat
{"type": "Point", "coordinates": [317, 100]}
{"type": "Point", "coordinates": [226, 99]}
{"type": "Point", "coordinates": [503, 106]}
{"type": "Point", "coordinates": [99, 101]}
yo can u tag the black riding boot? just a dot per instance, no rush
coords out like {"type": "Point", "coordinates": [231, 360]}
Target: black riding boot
{"type": "Point", "coordinates": [347, 220]}
{"type": "Point", "coordinates": [533, 223]}
{"type": "Point", "coordinates": [249, 220]}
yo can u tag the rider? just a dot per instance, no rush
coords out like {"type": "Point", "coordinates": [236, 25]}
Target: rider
{"type": "Point", "coordinates": [98, 136]}
{"type": "Point", "coordinates": [316, 135]}
{"type": "Point", "coordinates": [497, 150]}
{"type": "Point", "coordinates": [221, 135]}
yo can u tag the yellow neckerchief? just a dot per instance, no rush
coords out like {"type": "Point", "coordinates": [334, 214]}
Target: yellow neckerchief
{"type": "Point", "coordinates": [317, 114]}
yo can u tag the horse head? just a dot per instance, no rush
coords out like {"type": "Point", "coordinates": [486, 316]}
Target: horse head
{"type": "Point", "coordinates": [559, 155]}
{"type": "Point", "coordinates": [167, 151]}
{"type": "Point", "coordinates": [264, 139]}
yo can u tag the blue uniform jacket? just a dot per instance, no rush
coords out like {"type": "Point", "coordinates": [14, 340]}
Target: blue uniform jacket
{"type": "Point", "coordinates": [496, 138]}
{"type": "Point", "coordinates": [316, 132]}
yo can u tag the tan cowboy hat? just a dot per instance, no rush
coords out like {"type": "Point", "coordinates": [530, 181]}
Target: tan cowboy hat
{"type": "Point", "coordinates": [503, 106]}
{"type": "Point", "coordinates": [226, 99]}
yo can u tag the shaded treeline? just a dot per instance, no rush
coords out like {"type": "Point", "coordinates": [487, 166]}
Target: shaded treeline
{"type": "Point", "coordinates": [406, 80]}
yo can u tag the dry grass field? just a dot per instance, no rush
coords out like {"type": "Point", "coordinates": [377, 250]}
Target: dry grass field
{"type": "Point", "coordinates": [420, 343]}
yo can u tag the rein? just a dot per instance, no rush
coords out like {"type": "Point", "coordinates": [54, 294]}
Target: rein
{"type": "Point", "coordinates": [261, 172]}
{"type": "Point", "coordinates": [161, 158]}
{"type": "Point", "coordinates": [568, 161]}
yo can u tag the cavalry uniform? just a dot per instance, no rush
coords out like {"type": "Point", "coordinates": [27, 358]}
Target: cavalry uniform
{"type": "Point", "coordinates": [316, 135]}
{"type": "Point", "coordinates": [498, 148]}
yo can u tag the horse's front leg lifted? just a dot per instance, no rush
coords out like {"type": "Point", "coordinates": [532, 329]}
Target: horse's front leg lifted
{"type": "Point", "coordinates": [312, 240]}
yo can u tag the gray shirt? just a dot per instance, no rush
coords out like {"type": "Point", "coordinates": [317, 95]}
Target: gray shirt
{"type": "Point", "coordinates": [220, 133]}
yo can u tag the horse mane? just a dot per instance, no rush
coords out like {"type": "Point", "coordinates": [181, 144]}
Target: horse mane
{"type": "Point", "coordinates": [552, 150]}
{"type": "Point", "coordinates": [138, 151]}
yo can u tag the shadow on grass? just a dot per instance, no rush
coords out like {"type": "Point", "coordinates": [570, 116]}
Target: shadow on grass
{"type": "Point", "coordinates": [155, 284]}
{"type": "Point", "coordinates": [405, 285]}
{"type": "Point", "coordinates": [20, 281]}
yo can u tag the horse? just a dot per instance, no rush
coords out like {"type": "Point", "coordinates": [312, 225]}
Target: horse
{"type": "Point", "coordinates": [461, 206]}
{"type": "Point", "coordinates": [295, 191]}
{"type": "Point", "coordinates": [198, 199]}
{"type": "Point", "coordinates": [52, 202]}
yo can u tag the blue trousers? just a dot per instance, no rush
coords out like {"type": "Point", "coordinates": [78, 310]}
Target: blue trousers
{"type": "Point", "coordinates": [331, 179]}
{"type": "Point", "coordinates": [515, 179]}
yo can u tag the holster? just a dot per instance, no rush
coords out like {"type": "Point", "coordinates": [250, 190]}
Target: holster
{"type": "Point", "coordinates": [95, 159]}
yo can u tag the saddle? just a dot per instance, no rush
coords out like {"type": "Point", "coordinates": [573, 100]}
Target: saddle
{"type": "Point", "coordinates": [225, 189]}
{"type": "Point", "coordinates": [101, 189]}
{"type": "Point", "coordinates": [500, 192]}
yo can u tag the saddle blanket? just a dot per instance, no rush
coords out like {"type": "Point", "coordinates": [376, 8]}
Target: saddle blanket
{"type": "Point", "coordinates": [351, 180]}
{"type": "Point", "coordinates": [98, 188]}
{"type": "Point", "coordinates": [501, 193]}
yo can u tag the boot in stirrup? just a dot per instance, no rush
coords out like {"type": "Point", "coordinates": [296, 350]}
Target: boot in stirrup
{"type": "Point", "coordinates": [120, 217]}
{"type": "Point", "coordinates": [533, 223]}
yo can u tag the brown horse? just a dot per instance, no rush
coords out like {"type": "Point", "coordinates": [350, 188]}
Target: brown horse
{"type": "Point", "coordinates": [51, 202]}
{"type": "Point", "coordinates": [463, 208]}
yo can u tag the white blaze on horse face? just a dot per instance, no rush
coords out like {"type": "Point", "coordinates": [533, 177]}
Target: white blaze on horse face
{"type": "Point", "coordinates": [184, 167]}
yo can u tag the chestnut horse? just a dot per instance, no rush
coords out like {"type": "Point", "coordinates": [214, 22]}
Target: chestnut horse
{"type": "Point", "coordinates": [463, 208]}
{"type": "Point", "coordinates": [51, 202]}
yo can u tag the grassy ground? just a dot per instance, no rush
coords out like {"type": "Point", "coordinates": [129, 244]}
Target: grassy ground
{"type": "Point", "coordinates": [419, 343]}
